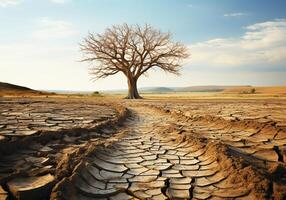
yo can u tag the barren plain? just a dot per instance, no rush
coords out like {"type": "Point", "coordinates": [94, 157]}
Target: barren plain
{"type": "Point", "coordinates": [104, 148]}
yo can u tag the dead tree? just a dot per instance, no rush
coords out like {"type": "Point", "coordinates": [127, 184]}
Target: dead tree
{"type": "Point", "coordinates": [132, 50]}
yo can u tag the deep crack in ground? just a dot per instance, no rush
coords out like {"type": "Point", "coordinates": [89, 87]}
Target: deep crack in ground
{"type": "Point", "coordinates": [150, 162]}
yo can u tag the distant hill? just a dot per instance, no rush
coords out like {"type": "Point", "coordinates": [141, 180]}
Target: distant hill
{"type": "Point", "coordinates": [207, 88]}
{"type": "Point", "coordinates": [257, 90]}
{"type": "Point", "coordinates": [156, 89]}
{"type": "Point", "coordinates": [11, 89]}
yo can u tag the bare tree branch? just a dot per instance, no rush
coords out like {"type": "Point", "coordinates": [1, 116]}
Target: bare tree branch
{"type": "Point", "coordinates": [132, 50]}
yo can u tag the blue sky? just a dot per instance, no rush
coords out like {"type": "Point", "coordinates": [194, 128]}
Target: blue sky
{"type": "Point", "coordinates": [232, 42]}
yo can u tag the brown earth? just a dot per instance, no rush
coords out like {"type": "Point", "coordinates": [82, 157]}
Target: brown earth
{"type": "Point", "coordinates": [149, 149]}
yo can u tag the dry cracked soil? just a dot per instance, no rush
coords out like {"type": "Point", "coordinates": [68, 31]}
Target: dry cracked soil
{"type": "Point", "coordinates": [84, 149]}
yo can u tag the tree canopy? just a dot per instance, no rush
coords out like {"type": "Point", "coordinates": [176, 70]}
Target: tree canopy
{"type": "Point", "coordinates": [132, 50]}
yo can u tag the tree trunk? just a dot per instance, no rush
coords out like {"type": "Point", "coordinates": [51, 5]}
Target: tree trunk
{"type": "Point", "coordinates": [132, 89]}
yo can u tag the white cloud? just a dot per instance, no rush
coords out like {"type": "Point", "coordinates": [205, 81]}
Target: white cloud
{"type": "Point", "coordinates": [48, 28]}
{"type": "Point", "coordinates": [262, 45]}
{"type": "Point", "coordinates": [59, 1]}
{"type": "Point", "coordinates": [190, 5]}
{"type": "Point", "coordinates": [238, 14]}
{"type": "Point", "coordinates": [5, 3]}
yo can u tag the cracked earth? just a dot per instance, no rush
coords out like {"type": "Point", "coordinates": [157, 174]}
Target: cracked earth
{"type": "Point", "coordinates": [147, 164]}
{"type": "Point", "coordinates": [149, 151]}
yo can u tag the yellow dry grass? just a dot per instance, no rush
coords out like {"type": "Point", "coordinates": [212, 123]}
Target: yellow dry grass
{"type": "Point", "coordinates": [234, 93]}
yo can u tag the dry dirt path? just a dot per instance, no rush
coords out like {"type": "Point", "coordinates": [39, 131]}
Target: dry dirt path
{"type": "Point", "coordinates": [153, 160]}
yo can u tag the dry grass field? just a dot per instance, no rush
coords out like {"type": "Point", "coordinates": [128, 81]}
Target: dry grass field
{"type": "Point", "coordinates": [225, 145]}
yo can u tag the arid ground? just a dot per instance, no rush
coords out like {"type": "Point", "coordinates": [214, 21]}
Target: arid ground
{"type": "Point", "coordinates": [107, 148]}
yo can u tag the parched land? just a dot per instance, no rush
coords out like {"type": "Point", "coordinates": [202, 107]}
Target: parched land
{"type": "Point", "coordinates": [85, 148]}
